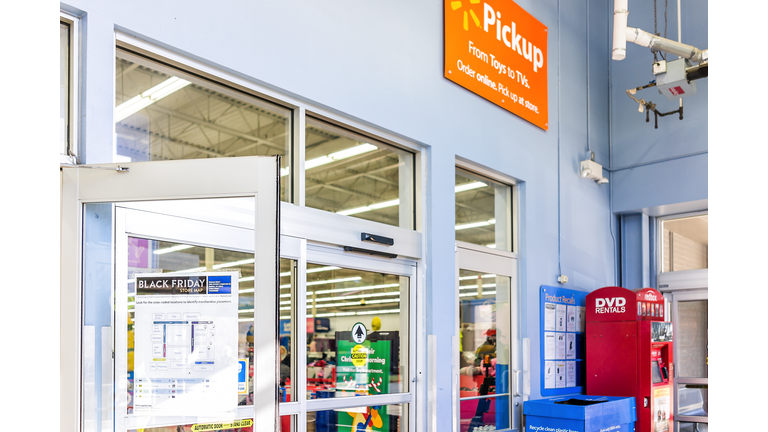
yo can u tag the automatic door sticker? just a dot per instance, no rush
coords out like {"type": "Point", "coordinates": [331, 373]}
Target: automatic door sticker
{"type": "Point", "coordinates": [359, 333]}
{"type": "Point", "coordinates": [359, 356]}
{"type": "Point", "coordinates": [221, 426]}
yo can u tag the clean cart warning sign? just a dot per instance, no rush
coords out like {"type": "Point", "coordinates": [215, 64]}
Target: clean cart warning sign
{"type": "Point", "coordinates": [497, 50]}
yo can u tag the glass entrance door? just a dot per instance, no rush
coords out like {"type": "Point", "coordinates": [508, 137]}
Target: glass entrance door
{"type": "Point", "coordinates": [490, 395]}
{"type": "Point", "coordinates": [174, 255]}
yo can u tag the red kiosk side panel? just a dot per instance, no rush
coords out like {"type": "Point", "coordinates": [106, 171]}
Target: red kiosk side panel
{"type": "Point", "coordinates": [612, 352]}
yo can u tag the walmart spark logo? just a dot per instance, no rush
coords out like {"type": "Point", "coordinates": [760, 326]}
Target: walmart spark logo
{"type": "Point", "coordinates": [457, 4]}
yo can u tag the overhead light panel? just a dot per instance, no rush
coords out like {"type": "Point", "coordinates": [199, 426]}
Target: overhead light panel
{"type": "Point", "coordinates": [395, 202]}
{"type": "Point", "coordinates": [368, 208]}
{"type": "Point", "coordinates": [333, 281]}
{"type": "Point", "coordinates": [147, 98]}
{"type": "Point", "coordinates": [469, 186]}
{"type": "Point", "coordinates": [475, 224]}
{"type": "Point", "coordinates": [339, 155]}
{"type": "Point", "coordinates": [171, 249]}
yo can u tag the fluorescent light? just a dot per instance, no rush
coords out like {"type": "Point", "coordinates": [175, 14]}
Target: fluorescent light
{"type": "Point", "coordinates": [392, 203]}
{"type": "Point", "coordinates": [461, 287]}
{"type": "Point", "coordinates": [335, 290]}
{"type": "Point", "coordinates": [492, 245]}
{"type": "Point", "coordinates": [172, 249]}
{"type": "Point", "coordinates": [357, 303]}
{"type": "Point", "coordinates": [232, 264]}
{"type": "Point", "coordinates": [333, 281]}
{"type": "Point", "coordinates": [368, 208]}
{"type": "Point", "coordinates": [475, 294]}
{"type": "Point", "coordinates": [322, 269]}
{"type": "Point", "coordinates": [475, 277]}
{"type": "Point", "coordinates": [373, 312]}
{"type": "Point", "coordinates": [339, 155]}
{"type": "Point", "coordinates": [360, 296]}
{"type": "Point", "coordinates": [469, 186]}
{"type": "Point", "coordinates": [147, 98]}
{"type": "Point", "coordinates": [475, 224]}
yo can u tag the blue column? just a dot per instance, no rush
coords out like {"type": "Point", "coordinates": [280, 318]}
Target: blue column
{"type": "Point", "coordinates": [635, 251]}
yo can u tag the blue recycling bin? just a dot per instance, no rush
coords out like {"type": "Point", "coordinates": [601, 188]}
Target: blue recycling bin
{"type": "Point", "coordinates": [580, 413]}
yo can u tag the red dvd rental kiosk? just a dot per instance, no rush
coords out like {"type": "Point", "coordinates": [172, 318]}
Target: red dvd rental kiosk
{"type": "Point", "coordinates": [629, 352]}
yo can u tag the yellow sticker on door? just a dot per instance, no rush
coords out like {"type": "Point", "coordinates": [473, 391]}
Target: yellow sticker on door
{"type": "Point", "coordinates": [220, 426]}
{"type": "Point", "coordinates": [359, 356]}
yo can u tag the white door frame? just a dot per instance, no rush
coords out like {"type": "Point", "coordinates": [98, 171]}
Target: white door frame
{"type": "Point", "coordinates": [676, 298]}
{"type": "Point", "coordinates": [502, 263]}
{"type": "Point", "coordinates": [256, 177]}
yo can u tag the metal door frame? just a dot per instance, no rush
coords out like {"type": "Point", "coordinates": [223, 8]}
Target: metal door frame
{"type": "Point", "coordinates": [676, 298]}
{"type": "Point", "coordinates": [476, 258]}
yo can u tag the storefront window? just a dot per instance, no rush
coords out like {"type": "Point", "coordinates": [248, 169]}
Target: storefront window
{"type": "Point", "coordinates": [484, 349]}
{"type": "Point", "coordinates": [353, 175]}
{"type": "Point", "coordinates": [162, 113]}
{"type": "Point", "coordinates": [64, 90]}
{"type": "Point", "coordinates": [483, 211]}
{"type": "Point", "coordinates": [342, 359]}
{"type": "Point", "coordinates": [685, 243]}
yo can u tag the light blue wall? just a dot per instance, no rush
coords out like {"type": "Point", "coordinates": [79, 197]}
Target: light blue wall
{"type": "Point", "coordinates": [381, 63]}
{"type": "Point", "coordinates": [680, 178]}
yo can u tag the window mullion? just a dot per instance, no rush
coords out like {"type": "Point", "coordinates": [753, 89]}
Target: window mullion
{"type": "Point", "coordinates": [300, 327]}
{"type": "Point", "coordinates": [299, 146]}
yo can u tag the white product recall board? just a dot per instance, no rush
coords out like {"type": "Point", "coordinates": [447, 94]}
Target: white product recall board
{"type": "Point", "coordinates": [185, 355]}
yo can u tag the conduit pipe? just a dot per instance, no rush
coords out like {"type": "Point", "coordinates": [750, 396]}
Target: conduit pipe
{"type": "Point", "coordinates": [622, 34]}
{"type": "Point", "coordinates": [658, 43]}
{"type": "Point", "coordinates": [620, 13]}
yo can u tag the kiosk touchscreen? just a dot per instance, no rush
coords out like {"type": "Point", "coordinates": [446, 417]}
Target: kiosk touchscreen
{"type": "Point", "coordinates": [629, 352]}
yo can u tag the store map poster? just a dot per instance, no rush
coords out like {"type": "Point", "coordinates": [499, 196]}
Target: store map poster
{"type": "Point", "coordinates": [186, 357]}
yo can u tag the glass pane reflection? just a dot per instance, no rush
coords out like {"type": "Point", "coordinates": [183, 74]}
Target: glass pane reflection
{"type": "Point", "coordinates": [337, 299]}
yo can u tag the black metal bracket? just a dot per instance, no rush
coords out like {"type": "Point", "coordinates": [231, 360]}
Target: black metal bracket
{"type": "Point", "coordinates": [374, 238]}
{"type": "Point", "coordinates": [369, 252]}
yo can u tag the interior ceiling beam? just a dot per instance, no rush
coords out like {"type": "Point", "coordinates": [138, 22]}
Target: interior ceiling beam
{"type": "Point", "coordinates": [196, 147]}
{"type": "Point", "coordinates": [208, 124]}
{"type": "Point", "coordinates": [352, 177]}
{"type": "Point", "coordinates": [204, 91]}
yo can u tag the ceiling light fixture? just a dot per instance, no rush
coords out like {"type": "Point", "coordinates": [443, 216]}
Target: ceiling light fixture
{"type": "Point", "coordinates": [333, 281]}
{"type": "Point", "coordinates": [460, 188]}
{"type": "Point", "coordinates": [147, 98]}
{"type": "Point", "coordinates": [368, 208]}
{"type": "Point", "coordinates": [469, 186]}
{"type": "Point", "coordinates": [475, 224]}
{"type": "Point", "coordinates": [171, 249]}
{"type": "Point", "coordinates": [339, 155]}
{"type": "Point", "coordinates": [475, 277]}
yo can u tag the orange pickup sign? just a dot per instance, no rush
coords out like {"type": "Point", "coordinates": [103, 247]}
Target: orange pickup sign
{"type": "Point", "coordinates": [497, 50]}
